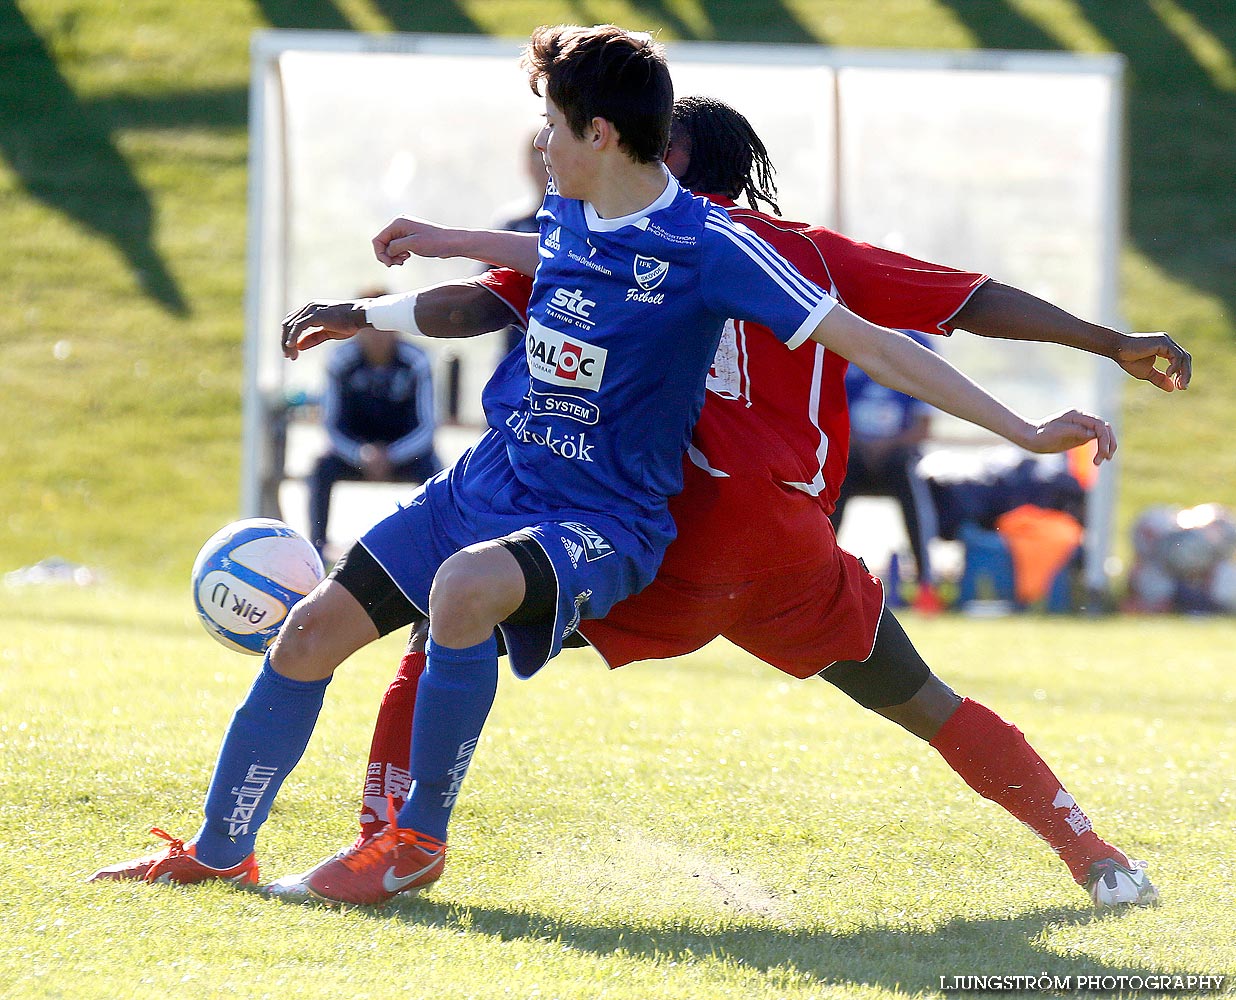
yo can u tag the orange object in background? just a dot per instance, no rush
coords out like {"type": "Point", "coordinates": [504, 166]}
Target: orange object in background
{"type": "Point", "coordinates": [1041, 543]}
{"type": "Point", "coordinates": [1081, 465]}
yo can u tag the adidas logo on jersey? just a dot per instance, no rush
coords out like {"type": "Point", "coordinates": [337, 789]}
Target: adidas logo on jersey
{"type": "Point", "coordinates": [554, 240]}
{"type": "Point", "coordinates": [574, 551]}
{"type": "Point", "coordinates": [596, 545]}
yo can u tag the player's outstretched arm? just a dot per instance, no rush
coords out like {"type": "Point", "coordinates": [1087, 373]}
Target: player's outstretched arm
{"type": "Point", "coordinates": [450, 310]}
{"type": "Point", "coordinates": [895, 360]}
{"type": "Point", "coordinates": [403, 238]}
{"type": "Point", "coordinates": [999, 310]}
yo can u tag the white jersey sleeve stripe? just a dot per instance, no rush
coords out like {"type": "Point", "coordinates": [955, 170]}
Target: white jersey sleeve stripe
{"type": "Point", "coordinates": [766, 251]}
{"type": "Point", "coordinates": [770, 254]}
{"type": "Point", "coordinates": [783, 276]}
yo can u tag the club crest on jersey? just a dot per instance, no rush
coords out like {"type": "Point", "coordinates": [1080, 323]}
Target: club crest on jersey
{"type": "Point", "coordinates": [649, 272]}
{"type": "Point", "coordinates": [561, 360]}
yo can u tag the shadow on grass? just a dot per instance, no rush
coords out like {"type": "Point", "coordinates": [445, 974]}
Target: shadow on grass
{"type": "Point", "coordinates": [446, 16]}
{"type": "Point", "coordinates": [1181, 115]}
{"type": "Point", "coordinates": [716, 20]}
{"type": "Point", "coordinates": [63, 153]}
{"type": "Point", "coordinates": [989, 946]}
{"type": "Point", "coordinates": [218, 107]}
{"type": "Point", "coordinates": [319, 14]}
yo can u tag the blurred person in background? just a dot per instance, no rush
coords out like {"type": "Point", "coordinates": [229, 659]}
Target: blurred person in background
{"type": "Point", "coordinates": [887, 430]}
{"type": "Point", "coordinates": [379, 417]}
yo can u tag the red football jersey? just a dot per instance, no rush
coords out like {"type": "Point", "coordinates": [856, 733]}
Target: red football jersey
{"type": "Point", "coordinates": [774, 430]}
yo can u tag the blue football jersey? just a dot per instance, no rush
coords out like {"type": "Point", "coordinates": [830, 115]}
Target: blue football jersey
{"type": "Point", "coordinates": [623, 323]}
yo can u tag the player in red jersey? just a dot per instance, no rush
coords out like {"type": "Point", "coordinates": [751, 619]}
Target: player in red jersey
{"type": "Point", "coordinates": [772, 438]}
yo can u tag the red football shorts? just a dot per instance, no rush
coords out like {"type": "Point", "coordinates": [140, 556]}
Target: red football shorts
{"type": "Point", "coordinates": [798, 617]}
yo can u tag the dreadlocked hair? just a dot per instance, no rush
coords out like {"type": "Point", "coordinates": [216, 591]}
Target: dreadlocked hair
{"type": "Point", "coordinates": [727, 157]}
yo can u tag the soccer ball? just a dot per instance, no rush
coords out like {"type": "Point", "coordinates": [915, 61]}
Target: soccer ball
{"type": "Point", "coordinates": [246, 579]}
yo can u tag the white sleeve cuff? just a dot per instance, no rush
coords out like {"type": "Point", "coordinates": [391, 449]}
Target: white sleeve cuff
{"type": "Point", "coordinates": [393, 312]}
{"type": "Point", "coordinates": [807, 328]}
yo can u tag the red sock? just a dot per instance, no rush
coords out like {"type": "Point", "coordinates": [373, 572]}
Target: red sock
{"type": "Point", "coordinates": [387, 773]}
{"type": "Point", "coordinates": [993, 757]}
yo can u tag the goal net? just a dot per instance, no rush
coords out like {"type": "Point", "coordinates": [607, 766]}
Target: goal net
{"type": "Point", "coordinates": [1006, 163]}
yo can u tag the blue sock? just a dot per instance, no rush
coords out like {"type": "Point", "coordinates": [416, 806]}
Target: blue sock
{"type": "Point", "coordinates": [264, 741]}
{"type": "Point", "coordinates": [453, 700]}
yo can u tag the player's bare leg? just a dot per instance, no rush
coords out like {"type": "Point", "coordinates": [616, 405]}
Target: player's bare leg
{"type": "Point", "coordinates": [387, 776]}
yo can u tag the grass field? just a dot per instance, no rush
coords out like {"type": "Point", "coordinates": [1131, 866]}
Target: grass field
{"type": "Point", "coordinates": [703, 829]}
{"type": "Point", "coordinates": [694, 831]}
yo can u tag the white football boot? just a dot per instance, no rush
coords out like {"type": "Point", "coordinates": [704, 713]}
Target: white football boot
{"type": "Point", "coordinates": [1111, 885]}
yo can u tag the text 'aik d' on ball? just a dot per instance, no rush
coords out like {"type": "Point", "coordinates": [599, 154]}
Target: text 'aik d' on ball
{"type": "Point", "coordinates": [248, 576]}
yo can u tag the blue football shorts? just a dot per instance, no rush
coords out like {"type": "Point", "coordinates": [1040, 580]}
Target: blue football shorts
{"type": "Point", "coordinates": [596, 561]}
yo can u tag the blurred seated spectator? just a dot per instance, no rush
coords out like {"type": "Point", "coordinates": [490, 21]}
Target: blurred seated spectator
{"type": "Point", "coordinates": [977, 486]}
{"type": "Point", "coordinates": [378, 412]}
{"type": "Point", "coordinates": [1019, 517]}
{"type": "Point", "coordinates": [887, 429]}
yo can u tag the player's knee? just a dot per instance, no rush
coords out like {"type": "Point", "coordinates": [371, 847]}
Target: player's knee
{"type": "Point", "coordinates": [300, 641]}
{"type": "Point", "coordinates": [473, 590]}
{"type": "Point", "coordinates": [319, 633]}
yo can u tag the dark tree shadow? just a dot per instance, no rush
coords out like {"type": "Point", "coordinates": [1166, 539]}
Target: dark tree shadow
{"type": "Point", "coordinates": [445, 16]}
{"type": "Point", "coordinates": [1180, 124]}
{"type": "Point", "coordinates": [220, 107]}
{"type": "Point", "coordinates": [999, 26]}
{"type": "Point", "coordinates": [771, 21]}
{"type": "Point", "coordinates": [320, 14]}
{"type": "Point", "coordinates": [63, 153]}
{"type": "Point", "coordinates": [1216, 18]}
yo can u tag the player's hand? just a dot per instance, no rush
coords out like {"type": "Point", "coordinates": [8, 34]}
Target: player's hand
{"type": "Point", "coordinates": [404, 237]}
{"type": "Point", "coordinates": [316, 322]}
{"type": "Point", "coordinates": [1071, 429]}
{"type": "Point", "coordinates": [1138, 353]}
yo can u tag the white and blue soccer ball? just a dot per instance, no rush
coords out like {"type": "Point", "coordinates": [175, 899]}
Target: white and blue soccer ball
{"type": "Point", "coordinates": [248, 576]}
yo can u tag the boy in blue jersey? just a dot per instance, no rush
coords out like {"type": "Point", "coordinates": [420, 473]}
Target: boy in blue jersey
{"type": "Point", "coordinates": [561, 509]}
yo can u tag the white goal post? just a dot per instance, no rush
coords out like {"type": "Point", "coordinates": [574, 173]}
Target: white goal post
{"type": "Point", "coordinates": [1001, 162]}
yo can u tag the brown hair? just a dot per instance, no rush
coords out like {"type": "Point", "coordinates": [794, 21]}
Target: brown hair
{"type": "Point", "coordinates": [605, 72]}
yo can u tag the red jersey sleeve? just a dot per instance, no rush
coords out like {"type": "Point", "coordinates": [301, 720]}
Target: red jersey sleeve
{"type": "Point", "coordinates": [511, 287]}
{"type": "Point", "coordinates": [892, 289]}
